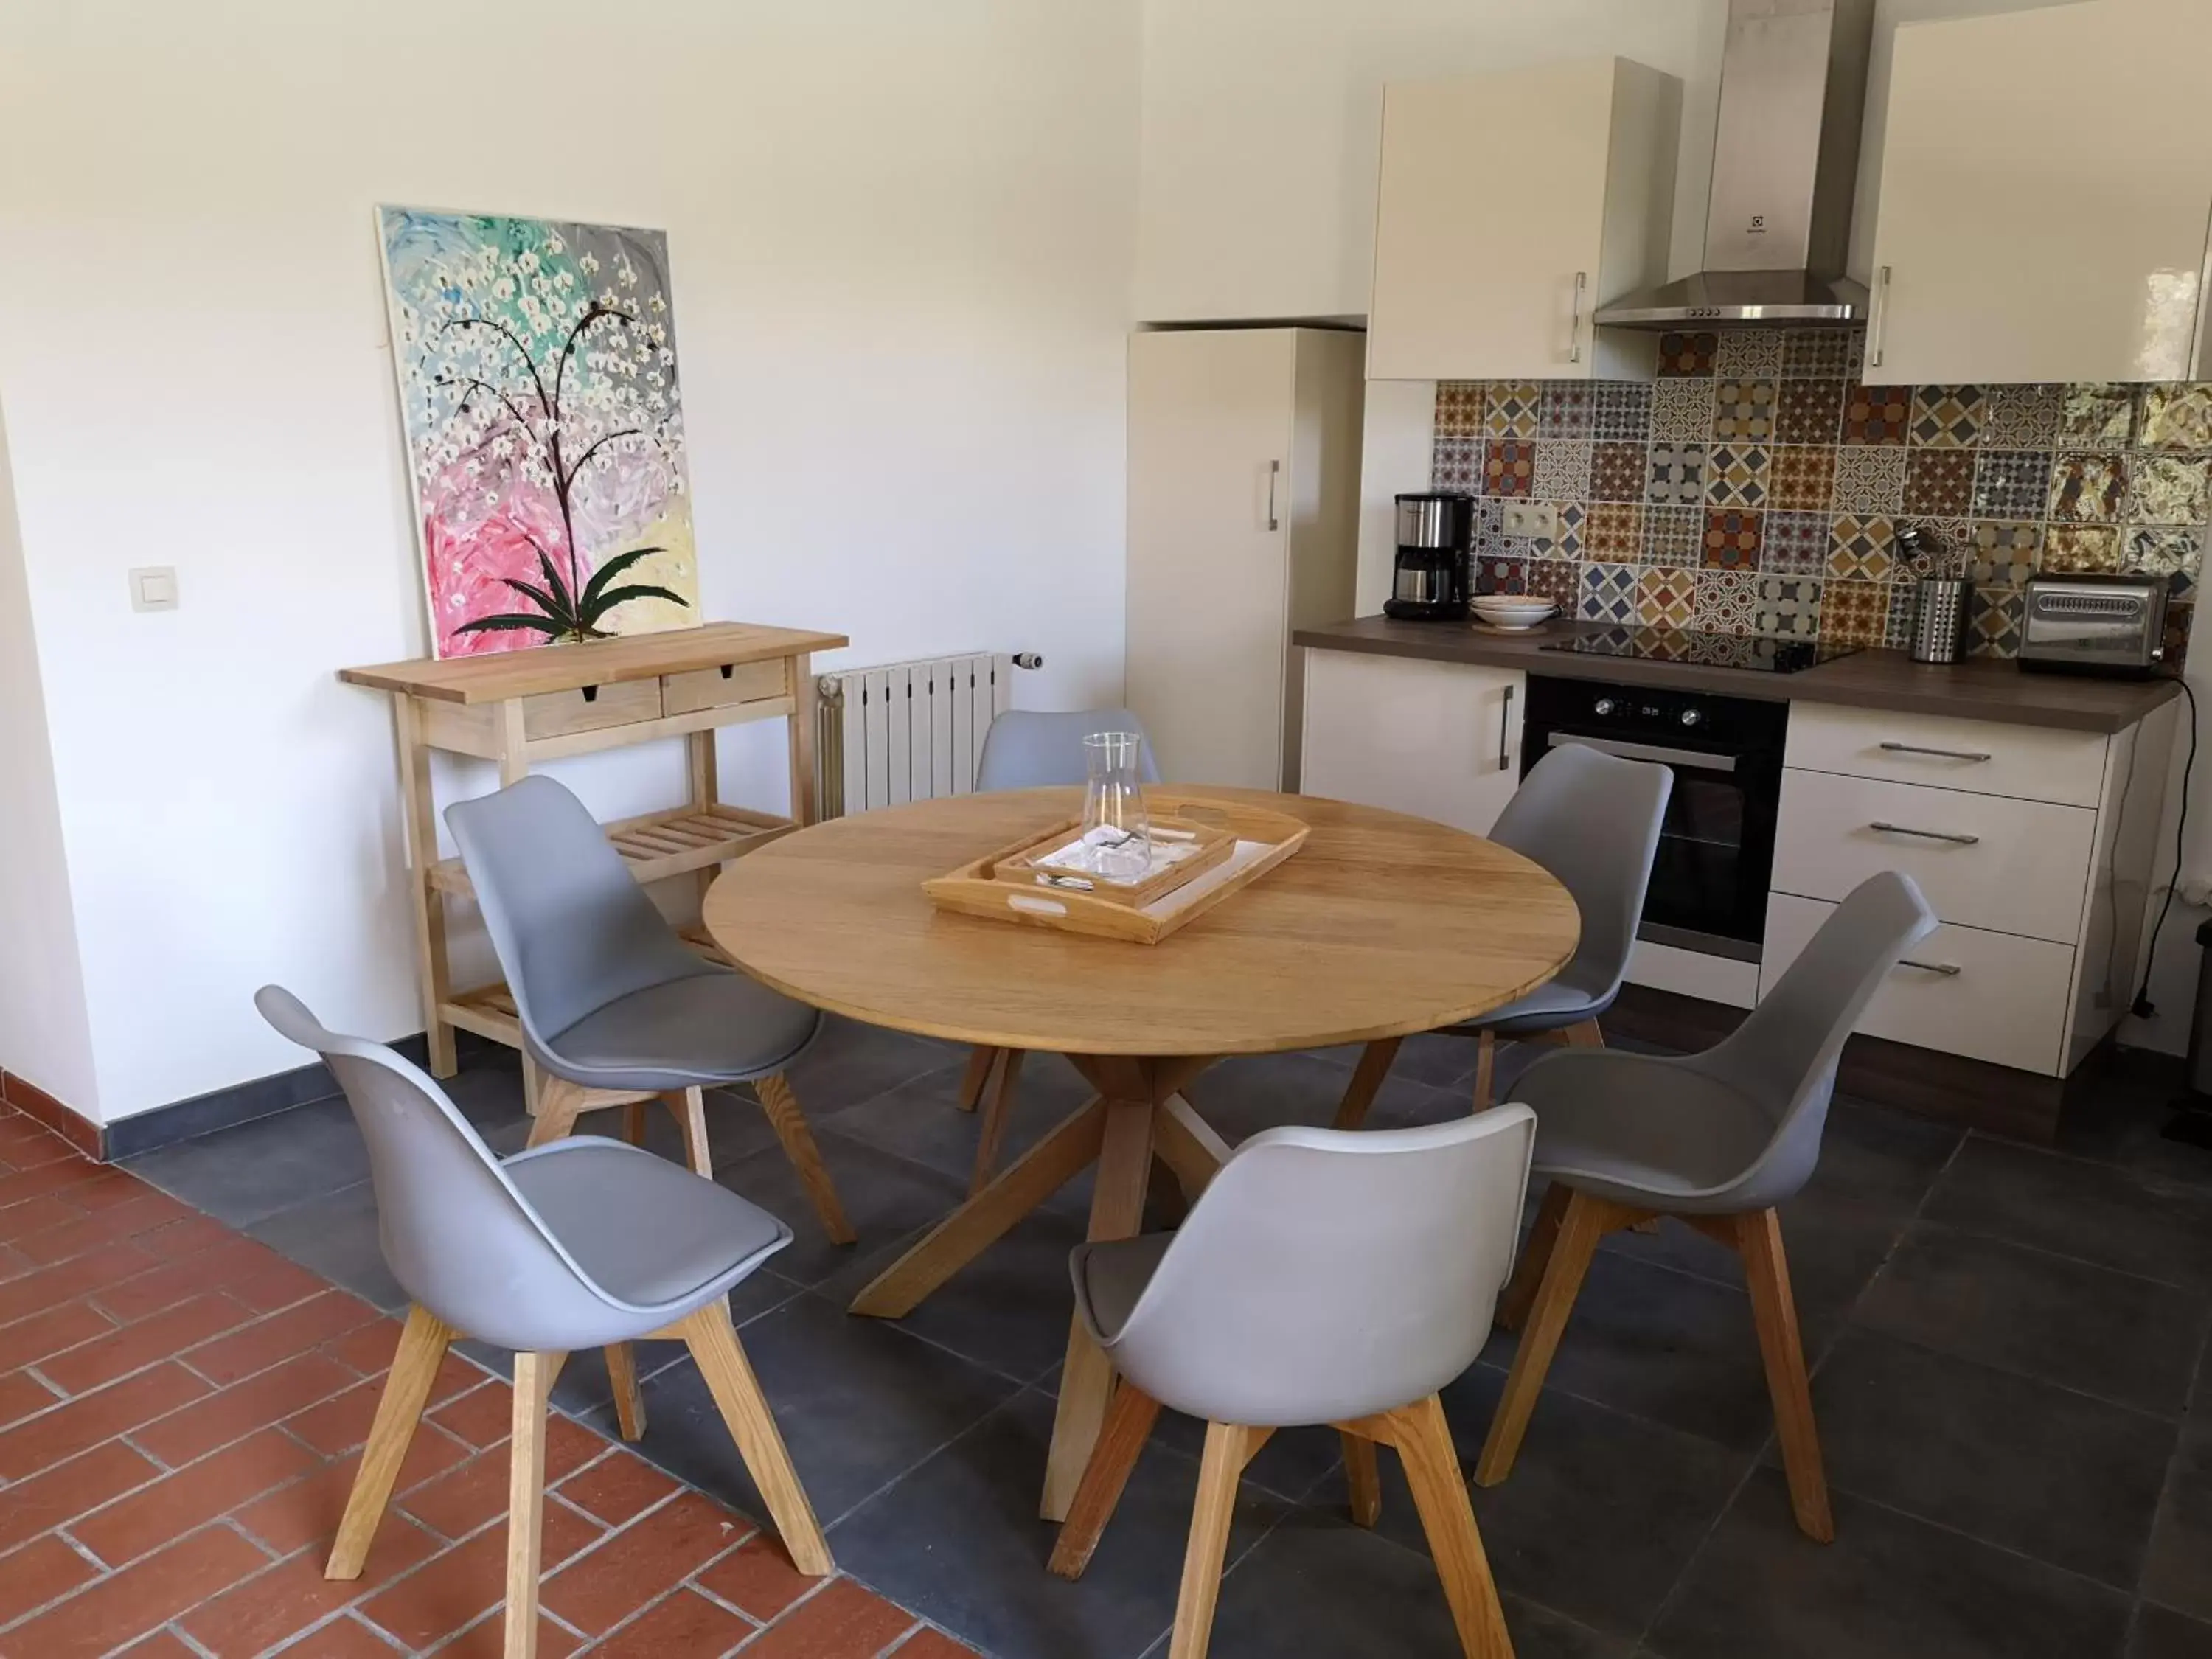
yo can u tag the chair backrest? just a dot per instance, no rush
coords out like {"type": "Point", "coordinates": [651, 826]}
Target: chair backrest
{"type": "Point", "coordinates": [1592, 819]}
{"type": "Point", "coordinates": [572, 928]}
{"type": "Point", "coordinates": [1025, 749]}
{"type": "Point", "coordinates": [456, 1234]}
{"type": "Point", "coordinates": [1783, 1056]}
{"type": "Point", "coordinates": [1327, 1274]}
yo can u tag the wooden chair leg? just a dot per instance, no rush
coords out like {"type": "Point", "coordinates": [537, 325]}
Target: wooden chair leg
{"type": "Point", "coordinates": [1367, 1079]}
{"type": "Point", "coordinates": [1425, 1447]}
{"type": "Point", "coordinates": [629, 1403]}
{"type": "Point", "coordinates": [1774, 1311]}
{"type": "Point", "coordinates": [690, 1106]}
{"type": "Point", "coordinates": [1364, 1479]}
{"type": "Point", "coordinates": [1128, 1425]}
{"type": "Point", "coordinates": [634, 1123]}
{"type": "Point", "coordinates": [1520, 1292]}
{"type": "Point", "coordinates": [1229, 1448]}
{"type": "Point", "coordinates": [721, 1360]}
{"type": "Point", "coordinates": [423, 1346]}
{"type": "Point", "coordinates": [980, 1059]}
{"type": "Point", "coordinates": [790, 1126]}
{"type": "Point", "coordinates": [525, 1499]}
{"type": "Point", "coordinates": [1584, 1034]}
{"type": "Point", "coordinates": [559, 1103]}
{"type": "Point", "coordinates": [991, 1131]}
{"type": "Point", "coordinates": [1485, 1070]}
{"type": "Point", "coordinates": [1581, 1226]}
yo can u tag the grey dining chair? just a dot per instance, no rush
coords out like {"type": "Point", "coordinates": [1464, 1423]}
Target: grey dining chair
{"type": "Point", "coordinates": [1028, 750]}
{"type": "Point", "coordinates": [1321, 1276]}
{"type": "Point", "coordinates": [1717, 1139]}
{"type": "Point", "coordinates": [615, 1007]}
{"type": "Point", "coordinates": [584, 1242]}
{"type": "Point", "coordinates": [1592, 820]}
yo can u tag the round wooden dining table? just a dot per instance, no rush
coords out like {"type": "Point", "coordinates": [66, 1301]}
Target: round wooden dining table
{"type": "Point", "coordinates": [1381, 926]}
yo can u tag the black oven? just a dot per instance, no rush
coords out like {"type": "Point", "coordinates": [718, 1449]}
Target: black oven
{"type": "Point", "coordinates": [1716, 846]}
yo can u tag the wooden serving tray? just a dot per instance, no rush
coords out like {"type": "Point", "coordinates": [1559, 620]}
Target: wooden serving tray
{"type": "Point", "coordinates": [1206, 845]}
{"type": "Point", "coordinates": [1245, 844]}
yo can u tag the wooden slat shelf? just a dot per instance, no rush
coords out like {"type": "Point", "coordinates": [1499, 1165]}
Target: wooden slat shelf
{"type": "Point", "coordinates": [489, 1010]}
{"type": "Point", "coordinates": [659, 845]}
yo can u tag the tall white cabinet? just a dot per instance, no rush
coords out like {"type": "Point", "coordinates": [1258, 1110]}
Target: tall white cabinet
{"type": "Point", "coordinates": [1243, 523]}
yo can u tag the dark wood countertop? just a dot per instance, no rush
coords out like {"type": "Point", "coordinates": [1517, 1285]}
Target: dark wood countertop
{"type": "Point", "coordinates": [1978, 689]}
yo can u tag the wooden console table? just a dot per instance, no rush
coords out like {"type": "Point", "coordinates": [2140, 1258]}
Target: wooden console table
{"type": "Point", "coordinates": [517, 707]}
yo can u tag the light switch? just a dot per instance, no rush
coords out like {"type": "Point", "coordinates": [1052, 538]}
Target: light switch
{"type": "Point", "coordinates": [153, 588]}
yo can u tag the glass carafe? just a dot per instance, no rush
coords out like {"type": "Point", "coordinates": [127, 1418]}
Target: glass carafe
{"type": "Point", "coordinates": [1116, 834]}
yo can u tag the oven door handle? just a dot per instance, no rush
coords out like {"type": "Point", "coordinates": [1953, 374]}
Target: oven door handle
{"type": "Point", "coordinates": [1646, 751]}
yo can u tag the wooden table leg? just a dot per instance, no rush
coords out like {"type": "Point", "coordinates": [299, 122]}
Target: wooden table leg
{"type": "Point", "coordinates": [421, 814]}
{"type": "Point", "coordinates": [1086, 1381]}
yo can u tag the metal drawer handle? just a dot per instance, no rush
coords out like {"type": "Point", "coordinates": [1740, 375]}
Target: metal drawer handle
{"type": "Point", "coordinates": [1879, 328]}
{"type": "Point", "coordinates": [1926, 834]}
{"type": "Point", "coordinates": [1274, 473]}
{"type": "Point", "coordinates": [1947, 754]}
{"type": "Point", "coordinates": [1506, 731]}
{"type": "Point", "coordinates": [1575, 320]}
{"type": "Point", "coordinates": [1949, 970]}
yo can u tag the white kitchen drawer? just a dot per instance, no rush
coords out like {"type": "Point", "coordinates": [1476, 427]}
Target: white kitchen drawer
{"type": "Point", "coordinates": [2023, 871]}
{"type": "Point", "coordinates": [2028, 761]}
{"type": "Point", "coordinates": [2007, 1003]}
{"type": "Point", "coordinates": [1694, 974]}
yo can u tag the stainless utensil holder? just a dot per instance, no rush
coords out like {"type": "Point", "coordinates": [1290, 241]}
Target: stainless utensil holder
{"type": "Point", "coordinates": [1939, 619]}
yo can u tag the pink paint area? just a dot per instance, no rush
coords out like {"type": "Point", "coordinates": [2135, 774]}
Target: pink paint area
{"type": "Point", "coordinates": [471, 554]}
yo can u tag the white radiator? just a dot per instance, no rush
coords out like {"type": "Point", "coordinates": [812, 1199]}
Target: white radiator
{"type": "Point", "coordinates": [908, 730]}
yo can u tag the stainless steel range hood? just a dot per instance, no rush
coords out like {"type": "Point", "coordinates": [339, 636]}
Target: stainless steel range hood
{"type": "Point", "coordinates": [1785, 165]}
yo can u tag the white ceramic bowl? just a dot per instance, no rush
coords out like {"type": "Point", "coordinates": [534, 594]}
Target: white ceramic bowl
{"type": "Point", "coordinates": [1510, 608]}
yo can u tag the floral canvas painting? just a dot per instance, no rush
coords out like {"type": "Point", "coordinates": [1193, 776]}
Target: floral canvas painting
{"type": "Point", "coordinates": [544, 428]}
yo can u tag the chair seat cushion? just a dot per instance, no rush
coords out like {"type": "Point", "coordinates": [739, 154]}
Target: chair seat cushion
{"type": "Point", "coordinates": [645, 1230]}
{"type": "Point", "coordinates": [1110, 1277]}
{"type": "Point", "coordinates": [705, 1029]}
{"type": "Point", "coordinates": [1641, 1130]}
{"type": "Point", "coordinates": [1547, 1008]}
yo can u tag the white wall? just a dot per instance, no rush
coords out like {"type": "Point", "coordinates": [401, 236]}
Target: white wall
{"type": "Point", "coordinates": [42, 1033]}
{"type": "Point", "coordinates": [901, 244]}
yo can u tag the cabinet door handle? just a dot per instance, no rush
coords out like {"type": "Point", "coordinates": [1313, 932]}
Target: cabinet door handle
{"type": "Point", "coordinates": [1926, 835]}
{"type": "Point", "coordinates": [1949, 970]}
{"type": "Point", "coordinates": [1575, 320]}
{"type": "Point", "coordinates": [1274, 471]}
{"type": "Point", "coordinates": [1947, 754]}
{"type": "Point", "coordinates": [1505, 731]}
{"type": "Point", "coordinates": [1879, 322]}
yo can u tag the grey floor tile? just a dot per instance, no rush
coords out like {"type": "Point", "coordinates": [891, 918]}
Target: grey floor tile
{"type": "Point", "coordinates": [2160, 1633]}
{"type": "Point", "coordinates": [337, 1237]}
{"type": "Point", "coordinates": [242, 1173]}
{"type": "Point", "coordinates": [2178, 1571]}
{"type": "Point", "coordinates": [959, 1541]}
{"type": "Point", "coordinates": [886, 1199]}
{"type": "Point", "coordinates": [850, 1062]}
{"type": "Point", "coordinates": [2138, 1222]}
{"type": "Point", "coordinates": [1889, 1588]}
{"type": "Point", "coordinates": [2111, 1334]}
{"type": "Point", "coordinates": [859, 1402]}
{"type": "Point", "coordinates": [1300, 1463]}
{"type": "Point", "coordinates": [2056, 1475]}
{"type": "Point", "coordinates": [1247, 1093]}
{"type": "Point", "coordinates": [1882, 1157]}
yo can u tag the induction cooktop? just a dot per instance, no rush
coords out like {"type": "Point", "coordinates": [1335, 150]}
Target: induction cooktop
{"type": "Point", "coordinates": [1760, 652]}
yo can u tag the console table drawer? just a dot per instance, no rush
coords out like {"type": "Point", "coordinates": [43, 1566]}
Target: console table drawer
{"type": "Point", "coordinates": [718, 688]}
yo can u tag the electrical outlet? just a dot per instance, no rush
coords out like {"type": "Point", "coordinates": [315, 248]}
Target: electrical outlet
{"type": "Point", "coordinates": [1532, 518]}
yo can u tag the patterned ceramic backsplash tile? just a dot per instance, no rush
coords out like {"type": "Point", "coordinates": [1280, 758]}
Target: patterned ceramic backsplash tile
{"type": "Point", "coordinates": [1757, 486]}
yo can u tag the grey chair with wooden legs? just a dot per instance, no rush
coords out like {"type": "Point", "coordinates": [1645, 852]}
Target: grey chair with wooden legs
{"type": "Point", "coordinates": [1592, 820]}
{"type": "Point", "coordinates": [581, 1243]}
{"type": "Point", "coordinates": [1716, 1139]}
{"type": "Point", "coordinates": [1320, 1278]}
{"type": "Point", "coordinates": [1028, 750]}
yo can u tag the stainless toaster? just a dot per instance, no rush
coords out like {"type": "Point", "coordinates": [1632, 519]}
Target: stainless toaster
{"type": "Point", "coordinates": [2095, 624]}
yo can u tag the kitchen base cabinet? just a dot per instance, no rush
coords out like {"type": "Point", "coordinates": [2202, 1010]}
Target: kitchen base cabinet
{"type": "Point", "coordinates": [1438, 740]}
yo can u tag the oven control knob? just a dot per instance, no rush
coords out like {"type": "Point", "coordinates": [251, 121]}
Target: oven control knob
{"type": "Point", "coordinates": [1602, 706]}
{"type": "Point", "coordinates": [1691, 716]}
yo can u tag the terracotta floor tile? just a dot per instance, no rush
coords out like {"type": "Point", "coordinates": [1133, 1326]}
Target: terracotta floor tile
{"type": "Point", "coordinates": [22, 1395]}
{"type": "Point", "coordinates": [28, 1341]}
{"type": "Point", "coordinates": [141, 1213]}
{"type": "Point", "coordinates": [288, 1597]}
{"type": "Point", "coordinates": [184, 1241]}
{"type": "Point", "coordinates": [687, 1626]}
{"type": "Point", "coordinates": [758, 1578]}
{"type": "Point", "coordinates": [617, 1488]}
{"type": "Point", "coordinates": [179, 1503]}
{"type": "Point", "coordinates": [241, 1408]}
{"type": "Point", "coordinates": [160, 1645]}
{"type": "Point", "coordinates": [484, 1641]}
{"type": "Point", "coordinates": [242, 1352]}
{"type": "Point", "coordinates": [84, 1422]}
{"type": "Point", "coordinates": [482, 1417]}
{"type": "Point", "coordinates": [35, 1574]}
{"type": "Point", "coordinates": [342, 1639]}
{"type": "Point", "coordinates": [143, 1597]}
{"type": "Point", "coordinates": [62, 1176]}
{"type": "Point", "coordinates": [931, 1644]}
{"type": "Point", "coordinates": [456, 1586]}
{"type": "Point", "coordinates": [464, 1498]}
{"type": "Point", "coordinates": [104, 1187]}
{"type": "Point", "coordinates": [841, 1621]}
{"type": "Point", "coordinates": [307, 1511]}
{"type": "Point", "coordinates": [66, 1490]}
{"type": "Point", "coordinates": [131, 1347]}
{"type": "Point", "coordinates": [267, 1281]}
{"type": "Point", "coordinates": [165, 1285]}
{"type": "Point", "coordinates": [65, 1281]}
{"type": "Point", "coordinates": [339, 1423]}
{"type": "Point", "coordinates": [643, 1561]}
{"type": "Point", "coordinates": [34, 1215]}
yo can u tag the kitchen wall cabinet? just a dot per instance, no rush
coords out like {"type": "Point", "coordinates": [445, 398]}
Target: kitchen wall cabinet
{"type": "Point", "coordinates": [2043, 205]}
{"type": "Point", "coordinates": [1243, 524]}
{"type": "Point", "coordinates": [1511, 206]}
{"type": "Point", "coordinates": [1438, 740]}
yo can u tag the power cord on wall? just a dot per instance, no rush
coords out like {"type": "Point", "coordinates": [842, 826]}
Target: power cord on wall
{"type": "Point", "coordinates": [2144, 1007]}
